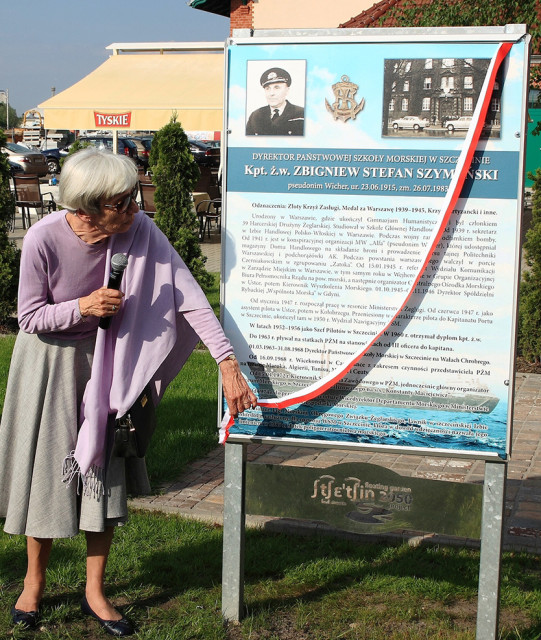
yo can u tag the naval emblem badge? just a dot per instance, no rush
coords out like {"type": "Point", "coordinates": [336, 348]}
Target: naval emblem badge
{"type": "Point", "coordinates": [345, 106]}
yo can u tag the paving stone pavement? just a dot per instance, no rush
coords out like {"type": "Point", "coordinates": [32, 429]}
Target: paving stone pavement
{"type": "Point", "coordinates": [212, 250]}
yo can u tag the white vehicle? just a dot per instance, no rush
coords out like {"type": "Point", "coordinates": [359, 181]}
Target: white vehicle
{"type": "Point", "coordinates": [461, 124]}
{"type": "Point", "coordinates": [410, 122]}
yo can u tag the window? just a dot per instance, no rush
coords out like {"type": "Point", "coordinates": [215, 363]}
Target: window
{"type": "Point", "coordinates": [534, 98]}
{"type": "Point", "coordinates": [405, 104]}
{"type": "Point", "coordinates": [406, 85]}
{"type": "Point", "coordinates": [426, 104]}
{"type": "Point", "coordinates": [468, 62]}
{"type": "Point", "coordinates": [428, 63]}
{"type": "Point", "coordinates": [468, 82]}
{"type": "Point", "coordinates": [408, 67]}
{"type": "Point", "coordinates": [427, 83]}
{"type": "Point", "coordinates": [391, 105]}
{"type": "Point", "coordinates": [468, 104]}
{"type": "Point", "coordinates": [448, 63]}
{"type": "Point", "coordinates": [447, 82]}
{"type": "Point", "coordinates": [393, 86]}
{"type": "Point", "coordinates": [495, 104]}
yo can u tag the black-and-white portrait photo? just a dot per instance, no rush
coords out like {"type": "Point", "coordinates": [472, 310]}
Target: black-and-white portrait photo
{"type": "Point", "coordinates": [436, 97]}
{"type": "Point", "coordinates": [279, 90]}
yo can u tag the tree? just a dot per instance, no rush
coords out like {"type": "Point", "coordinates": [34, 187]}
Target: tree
{"type": "Point", "coordinates": [9, 254]}
{"type": "Point", "coordinates": [175, 173]}
{"type": "Point", "coordinates": [457, 13]}
{"type": "Point", "coordinates": [529, 321]}
{"type": "Point", "coordinates": [73, 148]}
{"type": "Point", "coordinates": [14, 119]}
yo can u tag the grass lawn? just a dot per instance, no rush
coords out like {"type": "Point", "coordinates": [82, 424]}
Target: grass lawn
{"type": "Point", "coordinates": [187, 419]}
{"type": "Point", "coordinates": [165, 571]}
{"type": "Point", "coordinates": [165, 574]}
{"type": "Point", "coordinates": [6, 347]}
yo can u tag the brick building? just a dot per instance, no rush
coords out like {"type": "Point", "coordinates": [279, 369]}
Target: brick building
{"type": "Point", "coordinates": [283, 14]}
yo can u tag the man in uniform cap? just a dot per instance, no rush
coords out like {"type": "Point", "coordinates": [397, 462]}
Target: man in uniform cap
{"type": "Point", "coordinates": [280, 117]}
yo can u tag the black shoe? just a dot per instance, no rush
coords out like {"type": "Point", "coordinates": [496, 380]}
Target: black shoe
{"type": "Point", "coordinates": [119, 628]}
{"type": "Point", "coordinates": [27, 619]}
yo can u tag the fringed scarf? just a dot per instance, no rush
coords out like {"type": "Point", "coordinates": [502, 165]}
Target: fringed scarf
{"type": "Point", "coordinates": [148, 341]}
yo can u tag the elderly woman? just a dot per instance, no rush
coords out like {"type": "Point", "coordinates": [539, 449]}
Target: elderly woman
{"type": "Point", "coordinates": [70, 379]}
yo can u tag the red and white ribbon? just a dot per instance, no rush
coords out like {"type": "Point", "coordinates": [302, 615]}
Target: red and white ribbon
{"type": "Point", "coordinates": [455, 187]}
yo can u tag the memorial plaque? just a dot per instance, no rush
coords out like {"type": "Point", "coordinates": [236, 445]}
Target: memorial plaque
{"type": "Point", "coordinates": [371, 246]}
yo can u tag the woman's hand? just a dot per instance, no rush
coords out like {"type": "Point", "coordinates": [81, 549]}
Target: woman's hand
{"type": "Point", "coordinates": [237, 393]}
{"type": "Point", "coordinates": [100, 303]}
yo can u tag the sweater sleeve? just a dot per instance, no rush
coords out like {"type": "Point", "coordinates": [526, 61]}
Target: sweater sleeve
{"type": "Point", "coordinates": [35, 312]}
{"type": "Point", "coordinates": [45, 303]}
{"type": "Point", "coordinates": [209, 330]}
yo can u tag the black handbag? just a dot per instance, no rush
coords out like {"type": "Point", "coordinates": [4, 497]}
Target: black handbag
{"type": "Point", "coordinates": [132, 432]}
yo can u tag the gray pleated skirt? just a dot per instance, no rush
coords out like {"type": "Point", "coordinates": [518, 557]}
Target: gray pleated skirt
{"type": "Point", "coordinates": [39, 427]}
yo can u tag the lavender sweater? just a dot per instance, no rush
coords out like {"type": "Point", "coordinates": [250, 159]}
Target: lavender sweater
{"type": "Point", "coordinates": [58, 268]}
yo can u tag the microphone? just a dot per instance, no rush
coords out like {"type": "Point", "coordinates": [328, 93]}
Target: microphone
{"type": "Point", "coordinates": [118, 263]}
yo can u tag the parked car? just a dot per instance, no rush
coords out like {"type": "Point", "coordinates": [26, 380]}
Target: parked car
{"type": "Point", "coordinates": [215, 149]}
{"type": "Point", "coordinates": [126, 146]}
{"type": "Point", "coordinates": [14, 168]}
{"type": "Point", "coordinates": [203, 154]}
{"type": "Point", "coordinates": [143, 145]}
{"type": "Point", "coordinates": [31, 160]}
{"type": "Point", "coordinates": [53, 157]}
{"type": "Point", "coordinates": [410, 122]}
{"type": "Point", "coordinates": [458, 123]}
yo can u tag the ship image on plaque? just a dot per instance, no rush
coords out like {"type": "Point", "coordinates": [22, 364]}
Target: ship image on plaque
{"type": "Point", "coordinates": [436, 97]}
{"type": "Point", "coordinates": [367, 405]}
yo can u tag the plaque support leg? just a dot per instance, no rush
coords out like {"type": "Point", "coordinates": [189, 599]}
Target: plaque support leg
{"type": "Point", "coordinates": [234, 526]}
{"type": "Point", "coordinates": [491, 548]}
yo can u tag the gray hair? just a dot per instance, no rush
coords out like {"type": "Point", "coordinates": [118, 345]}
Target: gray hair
{"type": "Point", "coordinates": [91, 175]}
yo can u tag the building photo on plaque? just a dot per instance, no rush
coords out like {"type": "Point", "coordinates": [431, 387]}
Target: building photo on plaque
{"type": "Point", "coordinates": [436, 97]}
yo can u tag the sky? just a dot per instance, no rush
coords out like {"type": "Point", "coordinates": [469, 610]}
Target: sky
{"type": "Point", "coordinates": [55, 43]}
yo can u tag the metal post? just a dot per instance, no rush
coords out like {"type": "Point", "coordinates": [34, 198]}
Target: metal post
{"type": "Point", "coordinates": [491, 548]}
{"type": "Point", "coordinates": [234, 525]}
